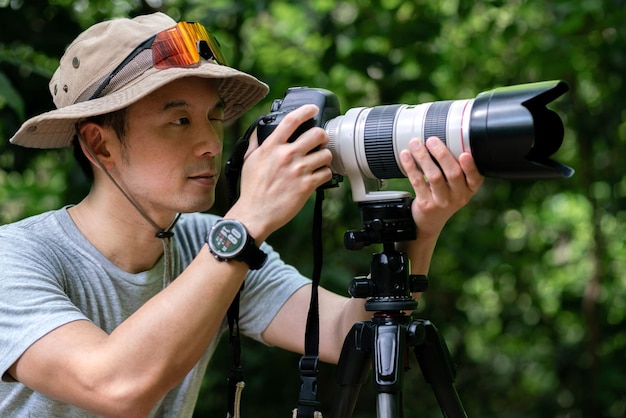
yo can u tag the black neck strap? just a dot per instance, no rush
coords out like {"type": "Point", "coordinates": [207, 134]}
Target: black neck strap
{"type": "Point", "coordinates": [308, 399]}
{"type": "Point", "coordinates": [232, 172]}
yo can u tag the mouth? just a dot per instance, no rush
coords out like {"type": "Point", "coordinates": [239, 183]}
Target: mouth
{"type": "Point", "coordinates": [209, 178]}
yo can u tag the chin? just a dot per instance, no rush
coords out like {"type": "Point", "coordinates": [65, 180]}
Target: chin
{"type": "Point", "coordinates": [200, 206]}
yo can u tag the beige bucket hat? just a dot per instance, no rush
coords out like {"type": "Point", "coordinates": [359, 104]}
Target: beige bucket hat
{"type": "Point", "coordinates": [91, 58]}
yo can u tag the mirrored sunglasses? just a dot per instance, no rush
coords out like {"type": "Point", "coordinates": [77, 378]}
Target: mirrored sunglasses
{"type": "Point", "coordinates": [182, 45]}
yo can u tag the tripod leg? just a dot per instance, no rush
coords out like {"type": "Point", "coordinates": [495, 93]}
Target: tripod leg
{"type": "Point", "coordinates": [352, 369]}
{"type": "Point", "coordinates": [389, 405]}
{"type": "Point", "coordinates": [388, 369]}
{"type": "Point", "coordinates": [437, 367]}
{"type": "Point", "coordinates": [387, 342]}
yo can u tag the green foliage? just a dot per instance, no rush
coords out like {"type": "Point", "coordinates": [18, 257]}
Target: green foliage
{"type": "Point", "coordinates": [528, 284]}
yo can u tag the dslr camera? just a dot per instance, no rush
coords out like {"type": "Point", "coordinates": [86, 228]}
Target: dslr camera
{"type": "Point", "coordinates": [509, 131]}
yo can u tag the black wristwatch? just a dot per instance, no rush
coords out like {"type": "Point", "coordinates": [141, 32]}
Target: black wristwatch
{"type": "Point", "coordinates": [229, 240]}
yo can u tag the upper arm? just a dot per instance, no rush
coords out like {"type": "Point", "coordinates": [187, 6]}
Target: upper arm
{"type": "Point", "coordinates": [52, 348]}
{"type": "Point", "coordinates": [65, 364]}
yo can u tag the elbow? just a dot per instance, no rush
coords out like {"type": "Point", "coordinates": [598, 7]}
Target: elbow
{"type": "Point", "coordinates": [128, 406]}
{"type": "Point", "coordinates": [134, 390]}
{"type": "Point", "coordinates": [131, 410]}
{"type": "Point", "coordinates": [128, 399]}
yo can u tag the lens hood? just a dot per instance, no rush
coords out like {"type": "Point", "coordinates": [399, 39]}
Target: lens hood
{"type": "Point", "coordinates": [513, 134]}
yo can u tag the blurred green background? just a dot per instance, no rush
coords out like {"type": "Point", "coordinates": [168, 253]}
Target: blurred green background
{"type": "Point", "coordinates": [528, 281]}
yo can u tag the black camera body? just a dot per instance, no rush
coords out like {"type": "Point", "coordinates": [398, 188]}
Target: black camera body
{"type": "Point", "coordinates": [295, 97]}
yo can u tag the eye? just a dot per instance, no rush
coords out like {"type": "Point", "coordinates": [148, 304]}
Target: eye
{"type": "Point", "coordinates": [181, 121]}
{"type": "Point", "coordinates": [217, 113]}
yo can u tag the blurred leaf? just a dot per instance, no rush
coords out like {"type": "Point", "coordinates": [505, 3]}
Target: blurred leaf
{"type": "Point", "coordinates": [528, 284]}
{"type": "Point", "coordinates": [10, 97]}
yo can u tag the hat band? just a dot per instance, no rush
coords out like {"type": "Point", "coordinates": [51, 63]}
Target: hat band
{"type": "Point", "coordinates": [182, 45]}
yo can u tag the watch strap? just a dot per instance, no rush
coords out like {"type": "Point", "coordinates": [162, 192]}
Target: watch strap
{"type": "Point", "coordinates": [248, 253]}
{"type": "Point", "coordinates": [252, 255]}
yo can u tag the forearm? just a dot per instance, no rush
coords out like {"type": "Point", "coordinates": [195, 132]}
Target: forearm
{"type": "Point", "coordinates": [353, 311]}
{"type": "Point", "coordinates": [127, 372]}
{"type": "Point", "coordinates": [419, 252]}
{"type": "Point", "coordinates": [166, 337]}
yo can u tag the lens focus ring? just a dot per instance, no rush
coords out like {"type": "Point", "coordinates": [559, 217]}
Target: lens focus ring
{"type": "Point", "coordinates": [378, 142]}
{"type": "Point", "coordinates": [437, 120]}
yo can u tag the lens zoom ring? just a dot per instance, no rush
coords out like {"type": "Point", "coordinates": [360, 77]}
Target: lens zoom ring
{"type": "Point", "coordinates": [437, 120]}
{"type": "Point", "coordinates": [378, 142]}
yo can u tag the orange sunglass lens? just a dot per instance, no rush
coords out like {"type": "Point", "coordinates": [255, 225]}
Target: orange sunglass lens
{"type": "Point", "coordinates": [178, 46]}
{"type": "Point", "coordinates": [200, 33]}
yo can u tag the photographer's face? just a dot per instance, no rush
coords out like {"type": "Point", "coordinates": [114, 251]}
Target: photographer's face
{"type": "Point", "coordinates": [171, 156]}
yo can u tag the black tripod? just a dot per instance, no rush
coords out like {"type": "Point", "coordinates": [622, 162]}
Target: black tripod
{"type": "Point", "coordinates": [383, 342]}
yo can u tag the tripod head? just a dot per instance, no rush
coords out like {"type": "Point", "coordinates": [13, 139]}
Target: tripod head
{"type": "Point", "coordinates": [388, 289]}
{"type": "Point", "coordinates": [383, 339]}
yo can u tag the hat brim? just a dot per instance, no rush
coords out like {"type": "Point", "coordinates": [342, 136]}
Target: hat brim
{"type": "Point", "coordinates": [56, 129]}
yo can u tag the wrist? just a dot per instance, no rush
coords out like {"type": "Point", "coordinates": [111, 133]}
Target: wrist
{"type": "Point", "coordinates": [229, 239]}
{"type": "Point", "coordinates": [419, 252]}
{"type": "Point", "coordinates": [255, 225]}
{"type": "Point", "coordinates": [417, 247]}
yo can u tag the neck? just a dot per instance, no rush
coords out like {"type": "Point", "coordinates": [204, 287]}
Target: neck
{"type": "Point", "coordinates": [117, 229]}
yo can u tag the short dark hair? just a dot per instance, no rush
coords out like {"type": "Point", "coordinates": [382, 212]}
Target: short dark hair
{"type": "Point", "coordinates": [115, 120]}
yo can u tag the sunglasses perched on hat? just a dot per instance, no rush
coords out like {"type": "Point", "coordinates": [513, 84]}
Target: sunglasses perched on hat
{"type": "Point", "coordinates": [182, 45]}
{"type": "Point", "coordinates": [162, 51]}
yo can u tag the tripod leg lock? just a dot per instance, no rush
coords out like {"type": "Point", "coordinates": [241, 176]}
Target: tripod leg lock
{"type": "Point", "coordinates": [389, 347]}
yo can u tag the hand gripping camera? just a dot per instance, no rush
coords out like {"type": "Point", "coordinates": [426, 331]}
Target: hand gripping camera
{"type": "Point", "coordinates": [509, 131]}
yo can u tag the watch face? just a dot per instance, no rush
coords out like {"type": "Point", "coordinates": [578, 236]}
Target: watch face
{"type": "Point", "coordinates": [227, 238]}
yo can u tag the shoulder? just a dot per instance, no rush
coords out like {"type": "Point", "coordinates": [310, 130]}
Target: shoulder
{"type": "Point", "coordinates": [46, 243]}
{"type": "Point", "coordinates": [37, 231]}
{"type": "Point", "coordinates": [31, 223]}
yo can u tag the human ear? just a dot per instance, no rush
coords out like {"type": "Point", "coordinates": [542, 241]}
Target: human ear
{"type": "Point", "coordinates": [95, 144]}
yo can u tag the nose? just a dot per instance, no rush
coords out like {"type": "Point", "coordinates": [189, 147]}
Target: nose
{"type": "Point", "coordinates": [210, 138]}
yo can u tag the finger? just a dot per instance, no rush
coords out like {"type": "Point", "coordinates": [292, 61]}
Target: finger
{"type": "Point", "coordinates": [449, 166]}
{"type": "Point", "coordinates": [473, 177]}
{"type": "Point", "coordinates": [322, 175]}
{"type": "Point", "coordinates": [292, 121]}
{"type": "Point", "coordinates": [252, 144]}
{"type": "Point", "coordinates": [318, 159]}
{"type": "Point", "coordinates": [426, 155]}
{"type": "Point", "coordinates": [312, 139]}
{"type": "Point", "coordinates": [414, 172]}
{"type": "Point", "coordinates": [446, 162]}
{"type": "Point", "coordinates": [312, 170]}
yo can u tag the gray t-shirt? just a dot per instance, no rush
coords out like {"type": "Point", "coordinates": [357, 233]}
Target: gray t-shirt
{"type": "Point", "coordinates": [51, 275]}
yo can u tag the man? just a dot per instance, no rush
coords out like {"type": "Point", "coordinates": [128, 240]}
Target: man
{"type": "Point", "coordinates": [114, 306]}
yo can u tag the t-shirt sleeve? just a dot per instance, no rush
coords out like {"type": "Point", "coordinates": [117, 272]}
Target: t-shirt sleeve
{"type": "Point", "coordinates": [265, 292]}
{"type": "Point", "coordinates": [32, 298]}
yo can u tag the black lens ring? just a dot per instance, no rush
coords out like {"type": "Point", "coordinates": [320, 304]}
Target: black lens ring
{"type": "Point", "coordinates": [378, 142]}
{"type": "Point", "coordinates": [436, 120]}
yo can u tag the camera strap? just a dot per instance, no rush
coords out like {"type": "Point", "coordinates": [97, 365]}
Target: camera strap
{"type": "Point", "coordinates": [308, 399]}
{"type": "Point", "coordinates": [308, 365]}
{"type": "Point", "coordinates": [235, 383]}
